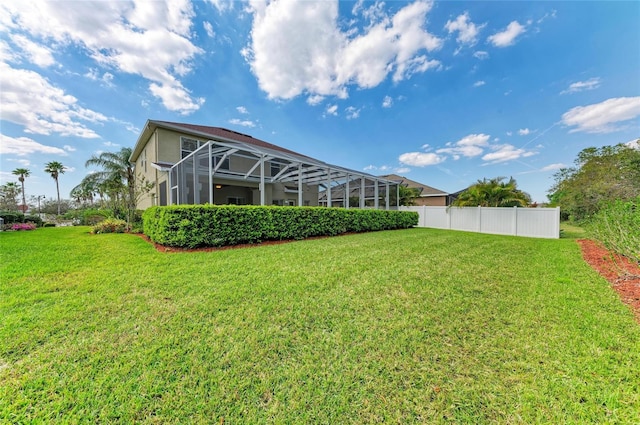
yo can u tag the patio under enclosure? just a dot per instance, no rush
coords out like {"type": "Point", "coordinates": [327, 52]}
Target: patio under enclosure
{"type": "Point", "coordinates": [234, 172]}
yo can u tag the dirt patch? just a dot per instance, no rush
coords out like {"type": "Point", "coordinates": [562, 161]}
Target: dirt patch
{"type": "Point", "coordinates": [622, 273]}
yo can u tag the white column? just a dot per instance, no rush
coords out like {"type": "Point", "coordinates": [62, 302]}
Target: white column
{"type": "Point", "coordinates": [346, 193]}
{"type": "Point", "coordinates": [261, 188]}
{"type": "Point", "coordinates": [386, 195]}
{"type": "Point", "coordinates": [329, 188]}
{"type": "Point", "coordinates": [300, 200]}
{"type": "Point", "coordinates": [376, 195]}
{"type": "Point", "coordinates": [361, 193]}
{"type": "Point", "coordinates": [210, 175]}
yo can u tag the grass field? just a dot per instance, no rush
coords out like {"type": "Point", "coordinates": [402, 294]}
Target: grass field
{"type": "Point", "coordinates": [407, 326]}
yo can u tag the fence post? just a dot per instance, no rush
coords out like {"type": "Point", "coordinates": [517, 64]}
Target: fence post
{"type": "Point", "coordinates": [515, 220]}
{"type": "Point", "coordinates": [448, 212]}
{"type": "Point", "coordinates": [479, 219]}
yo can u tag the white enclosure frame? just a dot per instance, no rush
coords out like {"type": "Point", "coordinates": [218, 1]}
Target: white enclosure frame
{"type": "Point", "coordinates": [203, 166]}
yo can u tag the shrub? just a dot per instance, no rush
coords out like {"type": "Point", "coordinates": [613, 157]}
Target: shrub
{"type": "Point", "coordinates": [48, 224]}
{"type": "Point", "coordinates": [617, 227]}
{"type": "Point", "coordinates": [23, 226]}
{"type": "Point", "coordinates": [110, 225]}
{"type": "Point", "coordinates": [191, 226]}
{"type": "Point", "coordinates": [11, 217]}
{"type": "Point", "coordinates": [33, 219]}
{"type": "Point", "coordinates": [91, 217]}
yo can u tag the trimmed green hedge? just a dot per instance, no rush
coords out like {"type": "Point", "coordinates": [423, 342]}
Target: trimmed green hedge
{"type": "Point", "coordinates": [191, 226]}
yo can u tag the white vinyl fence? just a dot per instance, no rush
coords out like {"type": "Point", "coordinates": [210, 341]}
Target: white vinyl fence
{"type": "Point", "coordinates": [531, 222]}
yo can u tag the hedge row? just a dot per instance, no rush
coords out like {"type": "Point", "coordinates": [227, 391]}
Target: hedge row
{"type": "Point", "coordinates": [10, 217]}
{"type": "Point", "coordinates": [191, 226]}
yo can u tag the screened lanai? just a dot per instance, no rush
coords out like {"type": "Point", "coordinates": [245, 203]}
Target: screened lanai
{"type": "Point", "coordinates": [223, 172]}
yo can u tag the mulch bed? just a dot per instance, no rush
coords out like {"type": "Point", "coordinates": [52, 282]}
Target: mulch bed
{"type": "Point", "coordinates": [622, 273]}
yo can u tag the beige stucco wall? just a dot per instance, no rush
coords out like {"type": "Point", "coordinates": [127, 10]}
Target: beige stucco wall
{"type": "Point", "coordinates": [431, 201]}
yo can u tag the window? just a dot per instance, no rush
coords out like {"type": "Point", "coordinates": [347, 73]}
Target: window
{"type": "Point", "coordinates": [143, 160]}
{"type": "Point", "coordinates": [188, 145]}
{"type": "Point", "coordinates": [163, 193]}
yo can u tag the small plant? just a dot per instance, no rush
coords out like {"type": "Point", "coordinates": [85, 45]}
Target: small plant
{"type": "Point", "coordinates": [23, 226]}
{"type": "Point", "coordinates": [110, 225]}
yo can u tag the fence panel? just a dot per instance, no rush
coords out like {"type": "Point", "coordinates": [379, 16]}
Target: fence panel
{"type": "Point", "coordinates": [531, 222]}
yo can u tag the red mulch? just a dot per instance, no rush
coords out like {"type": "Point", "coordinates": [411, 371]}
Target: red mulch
{"type": "Point", "coordinates": [622, 273]}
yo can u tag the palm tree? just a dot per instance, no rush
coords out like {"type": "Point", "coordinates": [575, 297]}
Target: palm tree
{"type": "Point", "coordinates": [8, 193]}
{"type": "Point", "coordinates": [22, 173]}
{"type": "Point", "coordinates": [55, 168]}
{"type": "Point", "coordinates": [117, 176]}
{"type": "Point", "coordinates": [493, 193]}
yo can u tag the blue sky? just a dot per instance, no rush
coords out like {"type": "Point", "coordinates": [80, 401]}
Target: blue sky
{"type": "Point", "coordinates": [444, 93]}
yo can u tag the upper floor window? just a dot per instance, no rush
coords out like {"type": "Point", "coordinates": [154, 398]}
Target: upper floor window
{"type": "Point", "coordinates": [188, 145]}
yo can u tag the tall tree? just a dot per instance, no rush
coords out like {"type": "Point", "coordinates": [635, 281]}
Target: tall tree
{"type": "Point", "coordinates": [22, 173]}
{"type": "Point", "coordinates": [55, 168]}
{"type": "Point", "coordinates": [408, 195]}
{"type": "Point", "coordinates": [601, 174]}
{"type": "Point", "coordinates": [493, 193]}
{"type": "Point", "coordinates": [8, 194]}
{"type": "Point", "coordinates": [117, 178]}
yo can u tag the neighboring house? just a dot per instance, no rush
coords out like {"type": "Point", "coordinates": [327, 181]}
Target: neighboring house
{"type": "Point", "coordinates": [427, 195]}
{"type": "Point", "coordinates": [195, 164]}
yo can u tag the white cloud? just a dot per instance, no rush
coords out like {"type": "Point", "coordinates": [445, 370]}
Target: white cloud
{"type": "Point", "coordinates": [503, 153]}
{"type": "Point", "coordinates": [467, 30]}
{"type": "Point", "coordinates": [553, 167]}
{"type": "Point", "coordinates": [242, 110]}
{"type": "Point", "coordinates": [221, 5]}
{"type": "Point", "coordinates": [23, 146]}
{"type": "Point", "coordinates": [30, 100]}
{"type": "Point", "coordinates": [469, 146]}
{"type": "Point", "coordinates": [509, 133]}
{"type": "Point", "coordinates": [402, 170]}
{"type": "Point", "coordinates": [315, 99]}
{"type": "Point", "coordinates": [387, 102]}
{"type": "Point", "coordinates": [480, 54]}
{"type": "Point", "coordinates": [332, 110]}
{"type": "Point", "coordinates": [479, 83]}
{"type": "Point", "coordinates": [69, 148]}
{"type": "Point", "coordinates": [602, 117]}
{"type": "Point", "coordinates": [352, 112]}
{"type": "Point", "coordinates": [111, 144]}
{"type": "Point", "coordinates": [149, 39]}
{"type": "Point", "coordinates": [209, 29]}
{"type": "Point", "coordinates": [590, 84]}
{"type": "Point", "coordinates": [370, 167]}
{"type": "Point", "coordinates": [508, 36]}
{"type": "Point", "coordinates": [244, 123]}
{"type": "Point", "coordinates": [634, 144]}
{"type": "Point", "coordinates": [300, 47]}
{"type": "Point", "coordinates": [524, 131]}
{"type": "Point", "coordinates": [420, 159]}
{"type": "Point", "coordinates": [34, 52]}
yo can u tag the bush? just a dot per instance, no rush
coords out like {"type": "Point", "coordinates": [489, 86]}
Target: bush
{"type": "Point", "coordinates": [617, 227]}
{"type": "Point", "coordinates": [11, 217]}
{"type": "Point", "coordinates": [33, 219]}
{"type": "Point", "coordinates": [191, 226]}
{"type": "Point", "coordinates": [23, 226]}
{"type": "Point", "coordinates": [91, 217]}
{"type": "Point", "coordinates": [48, 224]}
{"type": "Point", "coordinates": [110, 225]}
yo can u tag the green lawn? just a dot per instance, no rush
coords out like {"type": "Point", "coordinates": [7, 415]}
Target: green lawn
{"type": "Point", "coordinates": [407, 326]}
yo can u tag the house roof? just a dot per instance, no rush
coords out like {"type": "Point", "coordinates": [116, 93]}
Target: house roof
{"type": "Point", "coordinates": [228, 142]}
{"type": "Point", "coordinates": [215, 133]}
{"type": "Point", "coordinates": [425, 191]}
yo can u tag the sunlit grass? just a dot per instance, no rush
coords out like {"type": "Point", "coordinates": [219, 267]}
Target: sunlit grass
{"type": "Point", "coordinates": [407, 326]}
